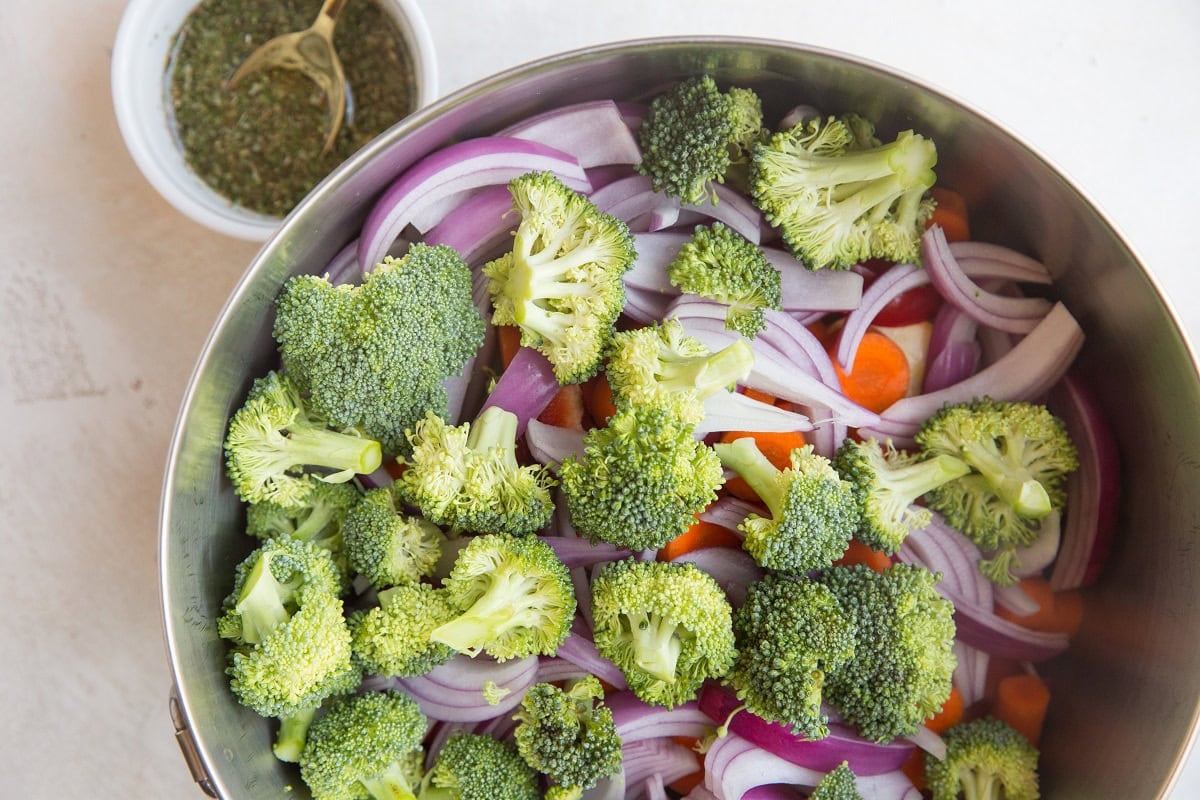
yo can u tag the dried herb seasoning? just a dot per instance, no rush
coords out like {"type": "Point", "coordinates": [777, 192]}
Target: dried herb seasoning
{"type": "Point", "coordinates": [260, 145]}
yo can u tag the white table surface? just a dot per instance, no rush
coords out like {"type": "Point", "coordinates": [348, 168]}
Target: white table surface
{"type": "Point", "coordinates": [108, 295]}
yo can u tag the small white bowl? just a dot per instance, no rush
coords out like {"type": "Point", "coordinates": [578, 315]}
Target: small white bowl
{"type": "Point", "coordinates": [140, 98]}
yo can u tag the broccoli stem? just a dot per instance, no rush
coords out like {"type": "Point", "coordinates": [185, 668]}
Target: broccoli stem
{"type": "Point", "coordinates": [1011, 482]}
{"type": "Point", "coordinates": [293, 733]}
{"type": "Point", "coordinates": [913, 480]}
{"type": "Point", "coordinates": [655, 645]}
{"type": "Point", "coordinates": [743, 457]}
{"type": "Point", "coordinates": [391, 784]}
{"type": "Point", "coordinates": [345, 454]}
{"type": "Point", "coordinates": [317, 520]}
{"type": "Point", "coordinates": [493, 428]}
{"type": "Point", "coordinates": [709, 374]}
{"type": "Point", "coordinates": [497, 611]}
{"type": "Point", "coordinates": [261, 606]}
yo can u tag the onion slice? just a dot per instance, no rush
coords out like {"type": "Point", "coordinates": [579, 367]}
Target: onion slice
{"type": "Point", "coordinates": [661, 757]}
{"type": "Point", "coordinates": [577, 552]}
{"type": "Point", "coordinates": [733, 570]}
{"type": "Point", "coordinates": [636, 720]}
{"type": "Point", "coordinates": [453, 692]}
{"type": "Point", "coordinates": [594, 132]}
{"type": "Point", "coordinates": [550, 444]}
{"type": "Point", "coordinates": [479, 227]}
{"type": "Point", "coordinates": [581, 651]}
{"type": "Point", "coordinates": [525, 388]}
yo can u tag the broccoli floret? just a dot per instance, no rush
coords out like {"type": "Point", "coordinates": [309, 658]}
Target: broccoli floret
{"type": "Point", "coordinates": [478, 767]}
{"type": "Point", "coordinates": [267, 584]}
{"type": "Point", "coordinates": [392, 639]}
{"type": "Point", "coordinates": [468, 478]}
{"type": "Point", "coordinates": [318, 520]}
{"type": "Point", "coordinates": [986, 759]}
{"type": "Point", "coordinates": [722, 265]}
{"type": "Point", "coordinates": [375, 356]}
{"type": "Point", "coordinates": [274, 436]}
{"type": "Point", "coordinates": [660, 365]}
{"type": "Point", "coordinates": [387, 546]}
{"type": "Point", "coordinates": [568, 736]}
{"type": "Point", "coordinates": [300, 663]}
{"type": "Point", "coordinates": [903, 659]}
{"type": "Point", "coordinates": [838, 202]}
{"type": "Point", "coordinates": [293, 735]}
{"type": "Point", "coordinates": [514, 597]}
{"type": "Point", "coordinates": [814, 512]}
{"type": "Point", "coordinates": [839, 784]}
{"type": "Point", "coordinates": [561, 283]}
{"type": "Point", "coordinates": [641, 480]}
{"type": "Point", "coordinates": [366, 746]}
{"type": "Point", "coordinates": [790, 634]}
{"type": "Point", "coordinates": [667, 625]}
{"type": "Point", "coordinates": [693, 133]}
{"type": "Point", "coordinates": [1020, 455]}
{"type": "Point", "coordinates": [887, 483]}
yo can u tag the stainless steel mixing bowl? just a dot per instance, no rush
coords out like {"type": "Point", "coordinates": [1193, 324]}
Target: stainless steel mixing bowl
{"type": "Point", "coordinates": [1125, 697]}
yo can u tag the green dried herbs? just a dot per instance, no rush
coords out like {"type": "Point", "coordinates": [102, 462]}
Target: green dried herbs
{"type": "Point", "coordinates": [260, 144]}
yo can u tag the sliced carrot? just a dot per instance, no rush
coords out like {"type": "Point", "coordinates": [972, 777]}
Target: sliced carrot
{"type": "Point", "coordinates": [951, 214]}
{"type": "Point", "coordinates": [859, 553]}
{"type": "Point", "coordinates": [598, 396]}
{"type": "Point", "coordinates": [509, 337]}
{"type": "Point", "coordinates": [914, 768]}
{"type": "Point", "coordinates": [776, 446]}
{"type": "Point", "coordinates": [565, 410]}
{"type": "Point", "coordinates": [826, 333]}
{"type": "Point", "coordinates": [701, 535]}
{"type": "Point", "coordinates": [950, 715]}
{"type": "Point", "coordinates": [998, 669]}
{"type": "Point", "coordinates": [1021, 701]}
{"type": "Point", "coordinates": [1058, 612]}
{"type": "Point", "coordinates": [762, 397]}
{"type": "Point", "coordinates": [879, 375]}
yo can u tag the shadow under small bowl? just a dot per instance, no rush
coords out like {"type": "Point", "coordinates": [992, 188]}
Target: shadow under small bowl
{"type": "Point", "coordinates": [141, 100]}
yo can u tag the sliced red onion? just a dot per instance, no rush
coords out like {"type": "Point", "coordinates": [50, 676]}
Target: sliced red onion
{"type": "Point", "coordinates": [773, 791]}
{"type": "Point", "coordinates": [698, 792]}
{"type": "Point", "coordinates": [499, 727]}
{"type": "Point", "coordinates": [954, 363]}
{"type": "Point", "coordinates": [375, 480]}
{"type": "Point", "coordinates": [886, 288]}
{"type": "Point", "coordinates": [636, 720]}
{"type": "Point", "coordinates": [730, 511]}
{"type": "Point", "coordinates": [732, 411]}
{"type": "Point", "coordinates": [929, 741]}
{"type": "Point", "coordinates": [950, 326]}
{"type": "Point", "coordinates": [576, 552]}
{"type": "Point", "coordinates": [940, 548]}
{"type": "Point", "coordinates": [525, 388]}
{"type": "Point", "coordinates": [733, 211]}
{"type": "Point", "coordinates": [1093, 490]}
{"type": "Point", "coordinates": [970, 674]}
{"type": "Point", "coordinates": [733, 766]}
{"type": "Point", "coordinates": [660, 757]}
{"type": "Point", "coordinates": [733, 570]}
{"type": "Point", "coordinates": [448, 173]}
{"type": "Point", "coordinates": [662, 217]}
{"type": "Point", "coordinates": [343, 267]}
{"type": "Point", "coordinates": [580, 650]}
{"type": "Point", "coordinates": [634, 197]}
{"type": "Point", "coordinates": [603, 176]}
{"type": "Point", "coordinates": [479, 227]}
{"type": "Point", "coordinates": [842, 743]}
{"type": "Point", "coordinates": [552, 669]}
{"type": "Point", "coordinates": [1015, 599]}
{"type": "Point", "coordinates": [893, 785]}
{"type": "Point", "coordinates": [983, 255]}
{"type": "Point", "coordinates": [1035, 364]}
{"type": "Point", "coordinates": [440, 734]}
{"type": "Point", "coordinates": [803, 289]}
{"type": "Point", "coordinates": [632, 113]}
{"type": "Point", "coordinates": [550, 444]}
{"type": "Point", "coordinates": [453, 692]}
{"type": "Point", "coordinates": [594, 132]}
{"type": "Point", "coordinates": [1012, 314]}
{"type": "Point", "coordinates": [1005, 639]}
{"type": "Point", "coordinates": [654, 788]}
{"type": "Point", "coordinates": [1036, 557]}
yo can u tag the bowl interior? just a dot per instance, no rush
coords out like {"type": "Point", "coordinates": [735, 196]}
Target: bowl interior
{"type": "Point", "coordinates": [1124, 697]}
{"type": "Point", "coordinates": [140, 97]}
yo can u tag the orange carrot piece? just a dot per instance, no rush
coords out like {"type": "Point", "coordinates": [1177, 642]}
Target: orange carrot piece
{"type": "Point", "coordinates": [951, 214]}
{"type": "Point", "coordinates": [509, 337]}
{"type": "Point", "coordinates": [701, 535]}
{"type": "Point", "coordinates": [859, 553]}
{"type": "Point", "coordinates": [1021, 701]}
{"type": "Point", "coordinates": [950, 715]}
{"type": "Point", "coordinates": [598, 396]}
{"type": "Point", "coordinates": [914, 768]}
{"type": "Point", "coordinates": [1058, 612]}
{"type": "Point", "coordinates": [879, 375]}
{"type": "Point", "coordinates": [776, 446]}
{"type": "Point", "coordinates": [998, 669]}
{"type": "Point", "coordinates": [762, 397]}
{"type": "Point", "coordinates": [565, 410]}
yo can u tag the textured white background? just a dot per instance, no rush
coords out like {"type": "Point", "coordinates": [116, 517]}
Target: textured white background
{"type": "Point", "coordinates": [107, 294]}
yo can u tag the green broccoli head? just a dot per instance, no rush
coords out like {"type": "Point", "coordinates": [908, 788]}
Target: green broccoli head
{"type": "Point", "coordinates": [468, 478]}
{"type": "Point", "coordinates": [660, 365]}
{"type": "Point", "coordinates": [300, 663]}
{"type": "Point", "coordinates": [275, 437]}
{"type": "Point", "coordinates": [839, 198]}
{"type": "Point", "coordinates": [479, 767]}
{"type": "Point", "coordinates": [318, 520]}
{"type": "Point", "coordinates": [838, 784]}
{"type": "Point", "coordinates": [814, 513]}
{"type": "Point", "coordinates": [641, 480]}
{"type": "Point", "coordinates": [267, 585]}
{"type": "Point", "coordinates": [986, 759]}
{"type": "Point", "coordinates": [903, 659]}
{"type": "Point", "coordinates": [568, 735]}
{"type": "Point", "coordinates": [375, 356]}
{"type": "Point", "coordinates": [365, 746]}
{"type": "Point", "coordinates": [1020, 456]}
{"type": "Point", "coordinates": [513, 595]}
{"type": "Point", "coordinates": [392, 639]}
{"type": "Point", "coordinates": [790, 634]}
{"type": "Point", "coordinates": [722, 265]}
{"type": "Point", "coordinates": [561, 284]}
{"type": "Point", "coordinates": [387, 546]}
{"type": "Point", "coordinates": [693, 133]}
{"type": "Point", "coordinates": [667, 625]}
{"type": "Point", "coordinates": [887, 483]}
